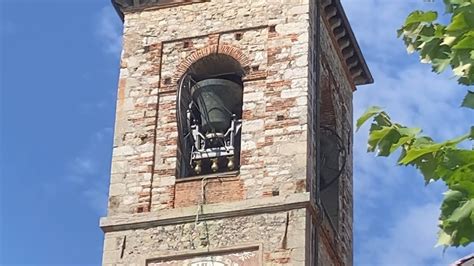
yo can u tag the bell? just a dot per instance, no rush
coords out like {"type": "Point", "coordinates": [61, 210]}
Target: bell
{"type": "Point", "coordinates": [197, 167]}
{"type": "Point", "coordinates": [214, 166]}
{"type": "Point", "coordinates": [217, 101]}
{"type": "Point", "coordinates": [230, 164]}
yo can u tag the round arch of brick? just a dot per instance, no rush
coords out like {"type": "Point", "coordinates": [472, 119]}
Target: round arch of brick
{"type": "Point", "coordinates": [226, 49]}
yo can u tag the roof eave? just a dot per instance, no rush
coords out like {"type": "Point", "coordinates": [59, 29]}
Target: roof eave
{"type": "Point", "coordinates": [350, 49]}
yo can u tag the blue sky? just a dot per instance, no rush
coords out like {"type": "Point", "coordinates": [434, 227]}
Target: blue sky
{"type": "Point", "coordinates": [58, 77]}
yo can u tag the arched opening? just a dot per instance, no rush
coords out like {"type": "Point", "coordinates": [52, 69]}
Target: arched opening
{"type": "Point", "coordinates": [209, 114]}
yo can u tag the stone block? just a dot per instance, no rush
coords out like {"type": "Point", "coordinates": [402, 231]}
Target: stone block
{"type": "Point", "coordinates": [123, 151]}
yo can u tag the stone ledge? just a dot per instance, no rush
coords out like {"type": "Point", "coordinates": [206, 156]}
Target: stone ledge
{"type": "Point", "coordinates": [123, 6]}
{"type": "Point", "coordinates": [156, 257]}
{"type": "Point", "coordinates": [229, 174]}
{"type": "Point", "coordinates": [209, 212]}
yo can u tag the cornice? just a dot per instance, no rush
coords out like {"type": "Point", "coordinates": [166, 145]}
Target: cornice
{"type": "Point", "coordinates": [339, 26]}
{"type": "Point", "coordinates": [209, 212]}
{"type": "Point", "coordinates": [332, 11]}
{"type": "Point", "coordinates": [123, 6]}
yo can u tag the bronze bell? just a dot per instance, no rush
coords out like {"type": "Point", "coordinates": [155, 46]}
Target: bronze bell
{"type": "Point", "coordinates": [217, 100]}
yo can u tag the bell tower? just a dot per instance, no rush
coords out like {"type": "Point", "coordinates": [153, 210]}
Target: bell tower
{"type": "Point", "coordinates": [233, 134]}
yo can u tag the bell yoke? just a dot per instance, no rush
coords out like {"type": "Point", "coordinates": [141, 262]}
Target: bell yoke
{"type": "Point", "coordinates": [214, 116]}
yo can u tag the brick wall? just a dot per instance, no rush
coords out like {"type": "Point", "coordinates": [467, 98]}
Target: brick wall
{"type": "Point", "coordinates": [270, 42]}
{"type": "Point", "coordinates": [274, 42]}
{"type": "Point", "coordinates": [190, 193]}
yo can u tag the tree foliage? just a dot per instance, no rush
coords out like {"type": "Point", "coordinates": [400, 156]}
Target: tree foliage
{"type": "Point", "coordinates": [442, 46]}
{"type": "Point", "coordinates": [436, 161]}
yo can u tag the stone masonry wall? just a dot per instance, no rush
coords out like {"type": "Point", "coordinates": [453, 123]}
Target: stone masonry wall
{"type": "Point", "coordinates": [280, 235]}
{"type": "Point", "coordinates": [269, 39]}
{"type": "Point", "coordinates": [272, 41]}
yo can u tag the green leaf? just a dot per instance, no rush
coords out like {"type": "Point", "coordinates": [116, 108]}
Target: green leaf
{"type": "Point", "coordinates": [430, 50]}
{"type": "Point", "coordinates": [409, 131]}
{"type": "Point", "coordinates": [462, 178]}
{"type": "Point", "coordinates": [444, 239]}
{"type": "Point", "coordinates": [464, 212]}
{"type": "Point", "coordinates": [415, 153]}
{"type": "Point", "coordinates": [465, 43]}
{"type": "Point", "coordinates": [463, 66]}
{"type": "Point", "coordinates": [468, 10]}
{"type": "Point", "coordinates": [468, 100]}
{"type": "Point", "coordinates": [459, 224]}
{"type": "Point", "coordinates": [420, 16]}
{"type": "Point", "coordinates": [424, 140]}
{"type": "Point", "coordinates": [387, 142]}
{"type": "Point", "coordinates": [427, 33]}
{"type": "Point", "coordinates": [420, 148]}
{"type": "Point", "coordinates": [444, 45]}
{"type": "Point", "coordinates": [455, 141]}
{"type": "Point", "coordinates": [427, 164]}
{"type": "Point", "coordinates": [456, 219]}
{"type": "Point", "coordinates": [407, 136]}
{"type": "Point", "coordinates": [377, 135]}
{"type": "Point", "coordinates": [402, 141]}
{"type": "Point", "coordinates": [455, 166]}
{"type": "Point", "coordinates": [440, 65]}
{"type": "Point", "coordinates": [371, 111]}
{"type": "Point", "coordinates": [466, 186]}
{"type": "Point", "coordinates": [457, 23]}
{"type": "Point", "coordinates": [451, 202]}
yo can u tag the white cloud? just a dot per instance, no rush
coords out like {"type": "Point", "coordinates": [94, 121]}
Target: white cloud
{"type": "Point", "coordinates": [89, 172]}
{"type": "Point", "coordinates": [376, 21]}
{"type": "Point", "coordinates": [84, 165]}
{"type": "Point", "coordinates": [409, 241]}
{"type": "Point", "coordinates": [415, 96]}
{"type": "Point", "coordinates": [81, 168]}
{"type": "Point", "coordinates": [103, 134]}
{"type": "Point", "coordinates": [109, 30]}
